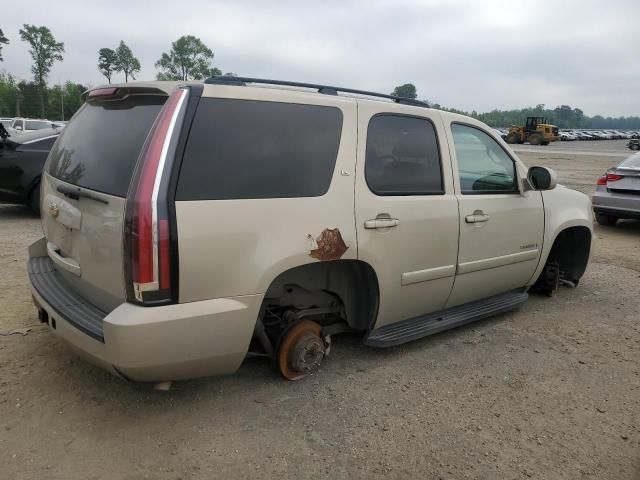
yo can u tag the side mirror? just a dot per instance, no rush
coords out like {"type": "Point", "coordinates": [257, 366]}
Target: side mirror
{"type": "Point", "coordinates": [18, 127]}
{"type": "Point", "coordinates": [542, 178]}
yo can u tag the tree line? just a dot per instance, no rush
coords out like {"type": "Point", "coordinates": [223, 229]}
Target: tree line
{"type": "Point", "coordinates": [564, 116]}
{"type": "Point", "coordinates": [190, 59]}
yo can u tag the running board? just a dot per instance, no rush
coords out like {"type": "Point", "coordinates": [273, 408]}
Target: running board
{"type": "Point", "coordinates": [418, 327]}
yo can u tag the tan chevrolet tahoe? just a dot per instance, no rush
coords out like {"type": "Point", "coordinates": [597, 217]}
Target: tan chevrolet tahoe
{"type": "Point", "coordinates": [188, 226]}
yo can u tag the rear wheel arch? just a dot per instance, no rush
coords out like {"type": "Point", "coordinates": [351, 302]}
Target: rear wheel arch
{"type": "Point", "coordinates": [353, 282]}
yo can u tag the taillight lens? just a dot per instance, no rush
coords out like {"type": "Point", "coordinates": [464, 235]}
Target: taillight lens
{"type": "Point", "coordinates": [103, 92]}
{"type": "Point", "coordinates": [147, 233]}
{"type": "Point", "coordinates": [608, 177]}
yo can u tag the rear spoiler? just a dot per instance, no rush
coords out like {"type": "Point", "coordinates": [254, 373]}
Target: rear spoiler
{"type": "Point", "coordinates": [119, 93]}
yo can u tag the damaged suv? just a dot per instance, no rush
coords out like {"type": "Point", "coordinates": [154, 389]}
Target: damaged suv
{"type": "Point", "coordinates": [244, 217]}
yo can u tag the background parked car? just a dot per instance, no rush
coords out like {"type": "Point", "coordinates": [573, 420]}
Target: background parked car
{"type": "Point", "coordinates": [22, 158]}
{"type": "Point", "coordinates": [634, 144]}
{"type": "Point", "coordinates": [567, 136]}
{"type": "Point", "coordinates": [29, 124]}
{"type": "Point", "coordinates": [617, 192]}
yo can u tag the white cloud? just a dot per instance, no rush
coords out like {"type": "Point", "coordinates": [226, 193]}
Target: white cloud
{"type": "Point", "coordinates": [466, 54]}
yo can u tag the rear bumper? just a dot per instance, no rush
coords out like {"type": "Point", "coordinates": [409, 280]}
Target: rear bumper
{"type": "Point", "coordinates": [618, 204]}
{"type": "Point", "coordinates": [170, 342]}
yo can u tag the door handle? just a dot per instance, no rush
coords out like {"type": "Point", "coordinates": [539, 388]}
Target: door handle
{"type": "Point", "coordinates": [381, 223]}
{"type": "Point", "coordinates": [477, 217]}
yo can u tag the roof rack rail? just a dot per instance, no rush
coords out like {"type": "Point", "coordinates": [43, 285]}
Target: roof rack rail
{"type": "Point", "coordinates": [324, 89]}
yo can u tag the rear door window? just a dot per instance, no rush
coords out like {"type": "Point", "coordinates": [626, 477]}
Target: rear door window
{"type": "Point", "coordinates": [632, 162]}
{"type": "Point", "coordinates": [99, 148]}
{"type": "Point", "coordinates": [241, 149]}
{"type": "Point", "coordinates": [402, 156]}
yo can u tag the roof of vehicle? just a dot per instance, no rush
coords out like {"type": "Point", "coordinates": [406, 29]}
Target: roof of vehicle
{"type": "Point", "coordinates": [31, 119]}
{"type": "Point", "coordinates": [229, 80]}
{"type": "Point", "coordinates": [169, 86]}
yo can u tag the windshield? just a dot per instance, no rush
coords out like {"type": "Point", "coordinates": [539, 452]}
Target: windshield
{"type": "Point", "coordinates": [99, 147]}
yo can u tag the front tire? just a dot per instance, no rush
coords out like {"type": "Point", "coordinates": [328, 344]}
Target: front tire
{"type": "Point", "coordinates": [635, 147]}
{"type": "Point", "coordinates": [512, 138]}
{"type": "Point", "coordinates": [535, 139]}
{"type": "Point", "coordinates": [607, 220]}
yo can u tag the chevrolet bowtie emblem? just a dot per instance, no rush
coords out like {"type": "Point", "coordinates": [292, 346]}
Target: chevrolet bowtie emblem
{"type": "Point", "coordinates": [53, 209]}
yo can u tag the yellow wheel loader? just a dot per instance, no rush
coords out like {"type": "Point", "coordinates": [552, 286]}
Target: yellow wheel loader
{"type": "Point", "coordinates": [536, 131]}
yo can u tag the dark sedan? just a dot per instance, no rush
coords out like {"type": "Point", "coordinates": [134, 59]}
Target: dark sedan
{"type": "Point", "coordinates": [21, 160]}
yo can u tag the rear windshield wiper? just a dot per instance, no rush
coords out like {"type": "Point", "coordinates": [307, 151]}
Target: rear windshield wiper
{"type": "Point", "coordinates": [76, 193]}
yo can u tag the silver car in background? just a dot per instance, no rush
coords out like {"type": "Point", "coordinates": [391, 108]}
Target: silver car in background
{"type": "Point", "coordinates": [617, 192]}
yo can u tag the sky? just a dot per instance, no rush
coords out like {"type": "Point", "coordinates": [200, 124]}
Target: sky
{"type": "Point", "coordinates": [470, 55]}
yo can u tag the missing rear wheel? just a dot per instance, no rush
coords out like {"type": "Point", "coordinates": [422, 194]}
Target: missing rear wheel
{"type": "Point", "coordinates": [301, 350]}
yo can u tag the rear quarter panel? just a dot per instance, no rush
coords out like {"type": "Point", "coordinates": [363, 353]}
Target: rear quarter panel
{"type": "Point", "coordinates": [237, 247]}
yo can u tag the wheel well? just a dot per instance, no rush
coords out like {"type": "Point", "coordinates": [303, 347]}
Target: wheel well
{"type": "Point", "coordinates": [571, 250]}
{"type": "Point", "coordinates": [352, 283]}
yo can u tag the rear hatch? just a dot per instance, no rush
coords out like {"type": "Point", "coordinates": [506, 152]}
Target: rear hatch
{"type": "Point", "coordinates": [87, 176]}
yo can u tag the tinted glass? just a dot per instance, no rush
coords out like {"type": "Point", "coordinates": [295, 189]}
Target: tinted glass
{"type": "Point", "coordinates": [483, 165]}
{"type": "Point", "coordinates": [631, 162]}
{"type": "Point", "coordinates": [254, 149]}
{"type": "Point", "coordinates": [402, 156]}
{"type": "Point", "coordinates": [99, 148]}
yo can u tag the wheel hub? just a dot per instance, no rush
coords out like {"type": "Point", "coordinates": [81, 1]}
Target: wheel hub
{"type": "Point", "coordinates": [308, 354]}
{"type": "Point", "coordinates": [301, 350]}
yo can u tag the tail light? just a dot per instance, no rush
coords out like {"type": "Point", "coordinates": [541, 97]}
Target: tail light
{"type": "Point", "coordinates": [147, 244]}
{"type": "Point", "coordinates": [608, 177]}
{"type": "Point", "coordinates": [103, 92]}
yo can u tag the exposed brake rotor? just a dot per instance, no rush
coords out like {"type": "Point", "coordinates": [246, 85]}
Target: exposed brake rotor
{"type": "Point", "coordinates": [301, 350]}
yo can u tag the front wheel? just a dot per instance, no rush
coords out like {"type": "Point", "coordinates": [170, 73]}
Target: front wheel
{"type": "Point", "coordinates": [607, 220]}
{"type": "Point", "coordinates": [512, 138]}
{"type": "Point", "coordinates": [535, 139]}
{"type": "Point", "coordinates": [635, 147]}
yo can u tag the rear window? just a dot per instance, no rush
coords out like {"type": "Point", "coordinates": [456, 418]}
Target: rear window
{"type": "Point", "coordinates": [99, 148]}
{"type": "Point", "coordinates": [631, 162]}
{"type": "Point", "coordinates": [254, 149]}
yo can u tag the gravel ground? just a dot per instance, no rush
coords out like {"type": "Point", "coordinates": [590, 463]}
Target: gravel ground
{"type": "Point", "coordinates": [549, 391]}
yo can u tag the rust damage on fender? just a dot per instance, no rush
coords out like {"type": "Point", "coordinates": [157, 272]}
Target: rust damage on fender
{"type": "Point", "coordinates": [330, 245]}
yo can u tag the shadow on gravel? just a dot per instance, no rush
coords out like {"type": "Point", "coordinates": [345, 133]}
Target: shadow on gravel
{"type": "Point", "coordinates": [256, 377]}
{"type": "Point", "coordinates": [631, 226]}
